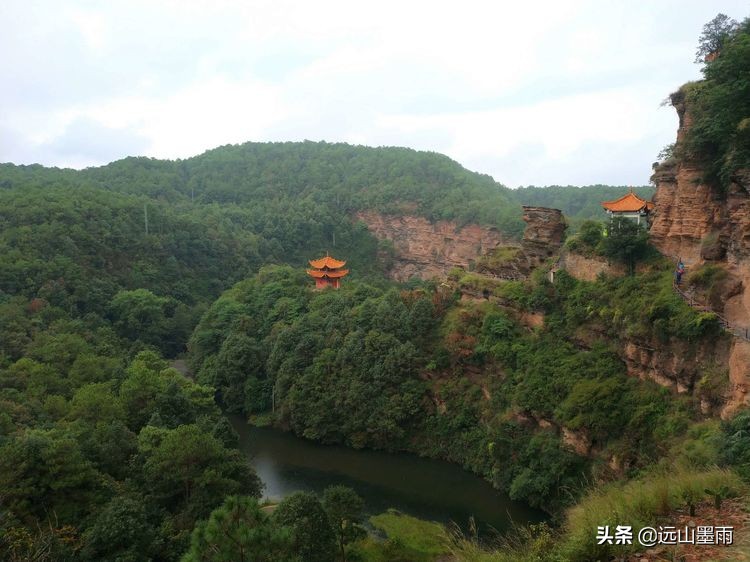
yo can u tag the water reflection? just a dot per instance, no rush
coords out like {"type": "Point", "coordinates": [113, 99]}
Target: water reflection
{"type": "Point", "coordinates": [424, 488]}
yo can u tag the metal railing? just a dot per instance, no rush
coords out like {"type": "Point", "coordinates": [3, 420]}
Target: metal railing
{"type": "Point", "coordinates": [737, 331]}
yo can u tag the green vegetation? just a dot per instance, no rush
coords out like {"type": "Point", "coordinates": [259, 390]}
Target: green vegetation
{"type": "Point", "coordinates": [707, 281]}
{"type": "Point", "coordinates": [107, 453]}
{"type": "Point", "coordinates": [106, 464]}
{"type": "Point", "coordinates": [239, 531]}
{"type": "Point", "coordinates": [626, 242]}
{"type": "Point", "coordinates": [296, 193]}
{"type": "Point", "coordinates": [406, 539]}
{"type": "Point", "coordinates": [365, 366]}
{"type": "Point", "coordinates": [345, 510]}
{"type": "Point", "coordinates": [300, 528]}
{"type": "Point", "coordinates": [640, 502]}
{"type": "Point", "coordinates": [620, 240]}
{"type": "Point", "coordinates": [715, 34]}
{"type": "Point", "coordinates": [719, 136]}
{"type": "Point", "coordinates": [647, 500]}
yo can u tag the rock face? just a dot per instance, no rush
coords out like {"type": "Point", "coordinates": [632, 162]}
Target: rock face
{"type": "Point", "coordinates": [679, 366]}
{"type": "Point", "coordinates": [544, 233]}
{"type": "Point", "coordinates": [587, 268]}
{"type": "Point", "coordinates": [424, 249]}
{"type": "Point", "coordinates": [701, 223]}
{"type": "Point", "coordinates": [695, 220]}
{"type": "Point", "coordinates": [542, 239]}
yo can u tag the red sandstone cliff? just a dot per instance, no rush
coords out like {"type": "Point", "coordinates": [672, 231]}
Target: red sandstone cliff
{"type": "Point", "coordinates": [424, 249]}
{"type": "Point", "coordinates": [702, 223]}
{"type": "Point", "coordinates": [693, 219]}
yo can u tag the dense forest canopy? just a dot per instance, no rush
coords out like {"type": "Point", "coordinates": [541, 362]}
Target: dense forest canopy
{"type": "Point", "coordinates": [337, 177]}
{"type": "Point", "coordinates": [107, 270]}
{"type": "Point", "coordinates": [186, 230]}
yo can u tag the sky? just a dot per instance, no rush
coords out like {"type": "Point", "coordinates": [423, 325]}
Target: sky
{"type": "Point", "coordinates": [530, 92]}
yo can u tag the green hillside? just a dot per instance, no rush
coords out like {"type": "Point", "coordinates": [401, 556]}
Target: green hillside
{"type": "Point", "coordinates": [106, 453]}
{"type": "Point", "coordinates": [189, 229]}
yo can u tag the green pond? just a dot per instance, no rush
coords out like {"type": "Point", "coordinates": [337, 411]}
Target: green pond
{"type": "Point", "coordinates": [424, 488]}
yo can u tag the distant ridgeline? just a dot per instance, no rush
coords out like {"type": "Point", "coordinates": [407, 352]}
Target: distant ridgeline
{"type": "Point", "coordinates": [201, 224]}
{"type": "Point", "coordinates": [340, 176]}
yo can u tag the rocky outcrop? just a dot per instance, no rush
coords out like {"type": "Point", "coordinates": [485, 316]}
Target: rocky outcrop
{"type": "Point", "coordinates": [544, 233]}
{"type": "Point", "coordinates": [542, 239]}
{"type": "Point", "coordinates": [679, 366]}
{"type": "Point", "coordinates": [694, 219]}
{"type": "Point", "coordinates": [738, 395]}
{"type": "Point", "coordinates": [701, 222]}
{"type": "Point", "coordinates": [576, 440]}
{"type": "Point", "coordinates": [717, 373]}
{"type": "Point", "coordinates": [426, 250]}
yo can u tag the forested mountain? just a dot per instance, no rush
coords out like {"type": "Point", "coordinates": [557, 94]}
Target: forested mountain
{"type": "Point", "coordinates": [555, 386]}
{"type": "Point", "coordinates": [340, 177]}
{"type": "Point", "coordinates": [189, 229]}
{"type": "Point", "coordinates": [105, 272]}
{"type": "Point", "coordinates": [105, 452]}
{"type": "Point", "coordinates": [186, 230]}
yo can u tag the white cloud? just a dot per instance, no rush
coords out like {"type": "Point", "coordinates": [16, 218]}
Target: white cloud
{"type": "Point", "coordinates": [532, 92]}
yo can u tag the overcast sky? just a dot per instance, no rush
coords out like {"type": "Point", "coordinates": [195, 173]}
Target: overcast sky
{"type": "Point", "coordinates": [531, 92]}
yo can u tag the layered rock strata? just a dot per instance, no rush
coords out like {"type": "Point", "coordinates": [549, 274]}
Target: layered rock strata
{"type": "Point", "coordinates": [426, 250]}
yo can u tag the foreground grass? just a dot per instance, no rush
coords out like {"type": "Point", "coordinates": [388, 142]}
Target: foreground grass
{"type": "Point", "coordinates": [642, 502]}
{"type": "Point", "coordinates": [407, 539]}
{"type": "Point", "coordinates": [646, 501]}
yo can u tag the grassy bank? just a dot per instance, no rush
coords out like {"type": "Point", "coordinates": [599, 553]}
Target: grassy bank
{"type": "Point", "coordinates": [651, 500]}
{"type": "Point", "coordinates": [401, 537]}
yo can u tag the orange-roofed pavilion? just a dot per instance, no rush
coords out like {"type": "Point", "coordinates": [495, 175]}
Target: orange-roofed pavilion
{"type": "Point", "coordinates": [327, 272]}
{"type": "Point", "coordinates": [629, 206]}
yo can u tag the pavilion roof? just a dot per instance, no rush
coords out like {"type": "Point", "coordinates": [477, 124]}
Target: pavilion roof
{"type": "Point", "coordinates": [629, 202]}
{"type": "Point", "coordinates": [328, 262]}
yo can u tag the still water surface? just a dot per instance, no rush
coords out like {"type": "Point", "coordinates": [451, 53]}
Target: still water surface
{"type": "Point", "coordinates": [425, 488]}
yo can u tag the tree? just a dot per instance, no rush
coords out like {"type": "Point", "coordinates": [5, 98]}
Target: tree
{"type": "Point", "coordinates": [345, 510]}
{"type": "Point", "coordinates": [590, 233]}
{"type": "Point", "coordinates": [140, 315]}
{"type": "Point", "coordinates": [626, 242]}
{"type": "Point", "coordinates": [140, 390]}
{"type": "Point", "coordinates": [312, 534]}
{"type": "Point", "coordinates": [714, 34]}
{"type": "Point", "coordinates": [239, 359]}
{"type": "Point", "coordinates": [239, 531]}
{"type": "Point", "coordinates": [96, 402]}
{"type": "Point", "coordinates": [188, 470]}
{"type": "Point", "coordinates": [120, 531]}
{"type": "Point", "coordinates": [44, 472]}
